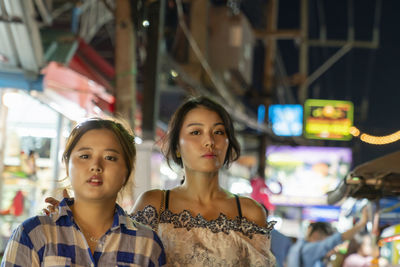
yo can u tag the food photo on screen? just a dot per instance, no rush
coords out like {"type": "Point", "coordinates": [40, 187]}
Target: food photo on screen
{"type": "Point", "coordinates": [306, 173]}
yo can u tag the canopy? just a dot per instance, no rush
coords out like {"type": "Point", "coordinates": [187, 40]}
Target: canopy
{"type": "Point", "coordinates": [373, 180]}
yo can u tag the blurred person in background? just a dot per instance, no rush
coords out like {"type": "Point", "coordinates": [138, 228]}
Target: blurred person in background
{"type": "Point", "coordinates": [320, 241]}
{"type": "Point", "coordinates": [361, 251]}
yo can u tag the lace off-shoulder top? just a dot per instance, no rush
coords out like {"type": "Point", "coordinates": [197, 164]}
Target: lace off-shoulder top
{"type": "Point", "coordinates": [195, 241]}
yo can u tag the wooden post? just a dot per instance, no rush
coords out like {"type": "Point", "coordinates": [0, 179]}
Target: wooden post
{"type": "Point", "coordinates": [125, 62]}
{"type": "Point", "coordinates": [303, 56]}
{"type": "Point", "coordinates": [269, 74]}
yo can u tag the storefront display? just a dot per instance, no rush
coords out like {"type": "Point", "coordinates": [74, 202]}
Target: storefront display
{"type": "Point", "coordinates": [30, 157]}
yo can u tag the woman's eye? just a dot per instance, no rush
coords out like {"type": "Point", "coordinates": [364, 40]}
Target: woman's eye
{"type": "Point", "coordinates": [195, 132]}
{"type": "Point", "coordinates": [221, 132]}
{"type": "Point", "coordinates": [112, 158]}
{"type": "Point", "coordinates": [84, 156]}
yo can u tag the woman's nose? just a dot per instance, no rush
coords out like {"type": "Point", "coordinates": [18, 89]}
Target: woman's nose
{"type": "Point", "coordinates": [96, 168]}
{"type": "Point", "coordinates": [209, 142]}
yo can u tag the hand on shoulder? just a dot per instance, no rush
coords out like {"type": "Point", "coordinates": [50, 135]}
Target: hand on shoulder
{"type": "Point", "coordinates": [151, 197]}
{"type": "Point", "coordinates": [253, 211]}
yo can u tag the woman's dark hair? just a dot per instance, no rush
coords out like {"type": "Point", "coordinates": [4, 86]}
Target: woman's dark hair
{"type": "Point", "coordinates": [123, 134]}
{"type": "Point", "coordinates": [171, 139]}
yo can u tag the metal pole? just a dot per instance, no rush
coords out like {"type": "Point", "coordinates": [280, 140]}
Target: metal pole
{"type": "Point", "coordinates": [327, 64]}
{"type": "Point", "coordinates": [151, 95]}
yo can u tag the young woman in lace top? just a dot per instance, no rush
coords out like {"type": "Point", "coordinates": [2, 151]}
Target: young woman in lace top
{"type": "Point", "coordinates": [200, 223]}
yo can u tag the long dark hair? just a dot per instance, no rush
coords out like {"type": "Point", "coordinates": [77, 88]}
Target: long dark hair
{"type": "Point", "coordinates": [171, 139]}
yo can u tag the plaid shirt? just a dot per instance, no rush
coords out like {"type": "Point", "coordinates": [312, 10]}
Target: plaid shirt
{"type": "Point", "coordinates": [57, 241]}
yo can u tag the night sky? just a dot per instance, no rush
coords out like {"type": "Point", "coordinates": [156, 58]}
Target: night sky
{"type": "Point", "coordinates": [362, 74]}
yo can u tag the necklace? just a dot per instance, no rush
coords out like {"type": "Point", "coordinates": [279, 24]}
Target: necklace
{"type": "Point", "coordinates": [93, 239]}
{"type": "Point", "coordinates": [88, 236]}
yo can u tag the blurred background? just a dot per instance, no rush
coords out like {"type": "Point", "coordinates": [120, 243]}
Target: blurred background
{"type": "Point", "coordinates": [311, 86]}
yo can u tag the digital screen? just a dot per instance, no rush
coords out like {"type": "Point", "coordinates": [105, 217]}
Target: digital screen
{"type": "Point", "coordinates": [305, 174]}
{"type": "Point", "coordinates": [321, 213]}
{"type": "Point", "coordinates": [328, 119]}
{"type": "Point", "coordinates": [286, 120]}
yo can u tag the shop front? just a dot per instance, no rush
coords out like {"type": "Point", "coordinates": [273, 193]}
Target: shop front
{"type": "Point", "coordinates": [35, 122]}
{"type": "Point", "coordinates": [31, 136]}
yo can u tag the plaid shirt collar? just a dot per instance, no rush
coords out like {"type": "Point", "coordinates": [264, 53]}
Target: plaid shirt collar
{"type": "Point", "coordinates": [64, 215]}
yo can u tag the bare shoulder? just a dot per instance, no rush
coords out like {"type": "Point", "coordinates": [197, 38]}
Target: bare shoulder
{"type": "Point", "coordinates": [151, 197]}
{"type": "Point", "coordinates": [253, 211]}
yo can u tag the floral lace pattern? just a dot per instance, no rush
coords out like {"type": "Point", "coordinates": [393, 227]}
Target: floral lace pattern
{"type": "Point", "coordinates": [196, 242]}
{"type": "Point", "coordinates": [149, 216]}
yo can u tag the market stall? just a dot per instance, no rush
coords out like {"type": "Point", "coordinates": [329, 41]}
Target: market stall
{"type": "Point", "coordinates": [378, 181]}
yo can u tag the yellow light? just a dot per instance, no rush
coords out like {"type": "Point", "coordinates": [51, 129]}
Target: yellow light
{"type": "Point", "coordinates": [354, 131]}
{"type": "Point", "coordinates": [174, 73]}
{"type": "Point", "coordinates": [380, 140]}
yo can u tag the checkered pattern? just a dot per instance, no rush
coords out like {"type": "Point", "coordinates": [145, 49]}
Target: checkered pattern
{"type": "Point", "coordinates": [57, 241]}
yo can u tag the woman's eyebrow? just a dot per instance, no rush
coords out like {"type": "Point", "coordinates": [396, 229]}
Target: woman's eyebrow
{"type": "Point", "coordinates": [200, 124]}
{"type": "Point", "coordinates": [107, 149]}
{"type": "Point", "coordinates": [84, 148]}
{"type": "Point", "coordinates": [112, 150]}
{"type": "Point", "coordinates": [194, 124]}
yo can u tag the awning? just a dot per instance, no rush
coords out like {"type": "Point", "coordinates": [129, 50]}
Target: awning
{"type": "Point", "coordinates": [372, 180]}
{"type": "Point", "coordinates": [74, 94]}
{"type": "Point", "coordinates": [20, 80]}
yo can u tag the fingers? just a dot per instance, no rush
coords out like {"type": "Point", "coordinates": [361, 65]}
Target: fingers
{"type": "Point", "coordinates": [46, 212]}
{"type": "Point", "coordinates": [52, 208]}
{"type": "Point", "coordinates": [53, 205]}
{"type": "Point", "coordinates": [52, 201]}
{"type": "Point", "coordinates": [65, 193]}
{"type": "Point", "coordinates": [49, 210]}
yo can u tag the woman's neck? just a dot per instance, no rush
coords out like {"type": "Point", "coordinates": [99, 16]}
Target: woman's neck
{"type": "Point", "coordinates": [202, 186]}
{"type": "Point", "coordinates": [94, 218]}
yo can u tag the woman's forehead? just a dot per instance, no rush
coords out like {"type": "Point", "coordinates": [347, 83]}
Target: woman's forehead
{"type": "Point", "coordinates": [99, 137]}
{"type": "Point", "coordinates": [202, 114]}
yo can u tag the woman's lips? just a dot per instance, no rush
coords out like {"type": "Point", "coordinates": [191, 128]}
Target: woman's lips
{"type": "Point", "coordinates": [95, 180]}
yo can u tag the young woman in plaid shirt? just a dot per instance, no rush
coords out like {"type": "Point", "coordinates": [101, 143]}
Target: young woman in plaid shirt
{"type": "Point", "coordinates": [91, 229]}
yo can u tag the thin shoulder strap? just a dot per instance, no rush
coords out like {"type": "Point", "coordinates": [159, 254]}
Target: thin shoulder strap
{"type": "Point", "coordinates": [166, 199]}
{"type": "Point", "coordinates": [162, 203]}
{"type": "Point", "coordinates": [161, 209]}
{"type": "Point", "coordinates": [238, 206]}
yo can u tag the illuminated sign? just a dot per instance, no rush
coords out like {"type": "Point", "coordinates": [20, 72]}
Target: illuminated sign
{"type": "Point", "coordinates": [321, 213]}
{"type": "Point", "coordinates": [306, 173]}
{"type": "Point", "coordinates": [286, 120]}
{"type": "Point", "coordinates": [328, 119]}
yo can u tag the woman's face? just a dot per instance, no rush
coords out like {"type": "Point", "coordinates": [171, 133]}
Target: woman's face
{"type": "Point", "coordinates": [97, 167]}
{"type": "Point", "coordinates": [203, 142]}
{"type": "Point", "coordinates": [366, 246]}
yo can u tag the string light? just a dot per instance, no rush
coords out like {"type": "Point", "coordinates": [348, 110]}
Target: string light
{"type": "Point", "coordinates": [375, 140]}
